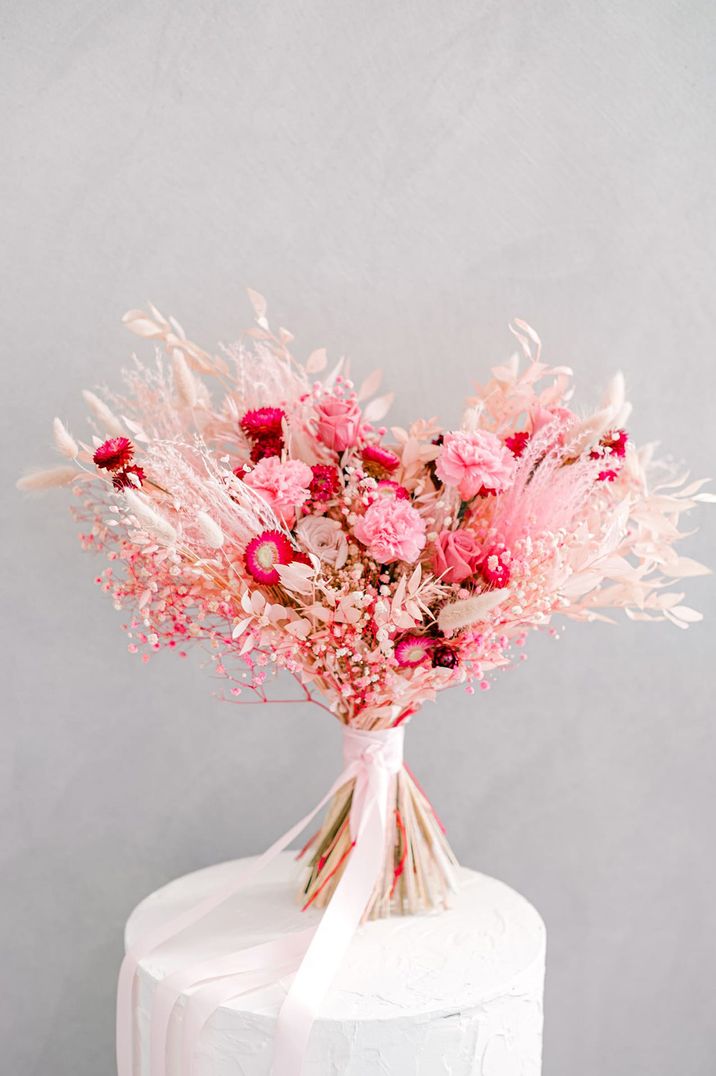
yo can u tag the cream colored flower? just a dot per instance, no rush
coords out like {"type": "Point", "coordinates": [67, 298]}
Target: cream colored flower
{"type": "Point", "coordinates": [324, 538]}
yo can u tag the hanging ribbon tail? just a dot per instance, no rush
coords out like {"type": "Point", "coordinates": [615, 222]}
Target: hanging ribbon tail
{"type": "Point", "coordinates": [340, 919]}
{"type": "Point", "coordinates": [203, 1003]}
{"type": "Point", "coordinates": [266, 958]}
{"type": "Point", "coordinates": [127, 974]}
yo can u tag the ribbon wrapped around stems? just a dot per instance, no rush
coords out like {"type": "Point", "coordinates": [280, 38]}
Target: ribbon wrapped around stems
{"type": "Point", "coordinates": [372, 759]}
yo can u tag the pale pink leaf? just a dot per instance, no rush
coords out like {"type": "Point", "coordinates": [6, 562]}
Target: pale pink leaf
{"type": "Point", "coordinates": [316, 361]}
{"type": "Point", "coordinates": [378, 407]}
{"type": "Point", "coordinates": [371, 385]}
{"type": "Point", "coordinates": [683, 612]}
{"type": "Point", "coordinates": [258, 303]}
{"type": "Point", "coordinates": [138, 323]}
{"type": "Point", "coordinates": [684, 567]}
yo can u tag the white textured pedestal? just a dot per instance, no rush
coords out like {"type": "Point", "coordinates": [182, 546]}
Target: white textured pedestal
{"type": "Point", "coordinates": [456, 993]}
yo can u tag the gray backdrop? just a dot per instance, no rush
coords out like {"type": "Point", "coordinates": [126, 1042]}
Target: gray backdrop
{"type": "Point", "coordinates": [400, 179]}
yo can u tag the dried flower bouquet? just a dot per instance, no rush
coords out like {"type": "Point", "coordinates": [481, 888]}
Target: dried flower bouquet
{"type": "Point", "coordinates": [243, 503]}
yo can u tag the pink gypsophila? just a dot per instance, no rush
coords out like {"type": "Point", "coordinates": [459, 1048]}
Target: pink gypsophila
{"type": "Point", "coordinates": [392, 530]}
{"type": "Point", "coordinates": [475, 461]}
{"type": "Point", "coordinates": [284, 485]}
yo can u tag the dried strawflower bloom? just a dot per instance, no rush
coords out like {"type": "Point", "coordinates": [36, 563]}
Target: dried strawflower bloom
{"type": "Point", "coordinates": [114, 454]}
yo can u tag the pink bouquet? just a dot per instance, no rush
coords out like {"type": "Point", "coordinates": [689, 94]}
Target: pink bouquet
{"type": "Point", "coordinates": [245, 504]}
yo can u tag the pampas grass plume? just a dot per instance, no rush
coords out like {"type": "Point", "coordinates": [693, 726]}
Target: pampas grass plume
{"type": "Point", "coordinates": [150, 519]}
{"type": "Point", "coordinates": [64, 441]}
{"type": "Point", "coordinates": [184, 379]}
{"type": "Point", "coordinates": [211, 530]}
{"type": "Point", "coordinates": [39, 481]}
{"type": "Point", "coordinates": [462, 614]}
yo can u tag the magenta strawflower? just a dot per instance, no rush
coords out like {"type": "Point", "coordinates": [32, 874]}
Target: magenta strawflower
{"type": "Point", "coordinates": [378, 460]}
{"type": "Point", "coordinates": [386, 487]}
{"type": "Point", "coordinates": [264, 552]}
{"type": "Point", "coordinates": [115, 454]}
{"type": "Point", "coordinates": [413, 650]}
{"type": "Point", "coordinates": [263, 422]}
{"type": "Point", "coordinates": [324, 484]}
{"type": "Point", "coordinates": [129, 478]}
{"type": "Point", "coordinates": [264, 428]}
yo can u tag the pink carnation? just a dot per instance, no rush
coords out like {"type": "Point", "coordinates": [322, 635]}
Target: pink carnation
{"type": "Point", "coordinates": [392, 530]}
{"type": "Point", "coordinates": [475, 461]}
{"type": "Point", "coordinates": [338, 422]}
{"type": "Point", "coordinates": [456, 556]}
{"type": "Point", "coordinates": [283, 485]}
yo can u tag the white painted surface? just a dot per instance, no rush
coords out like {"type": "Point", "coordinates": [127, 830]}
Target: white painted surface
{"type": "Point", "coordinates": [457, 993]}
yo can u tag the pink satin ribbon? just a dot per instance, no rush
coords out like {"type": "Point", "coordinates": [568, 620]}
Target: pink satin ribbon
{"type": "Point", "coordinates": [372, 759]}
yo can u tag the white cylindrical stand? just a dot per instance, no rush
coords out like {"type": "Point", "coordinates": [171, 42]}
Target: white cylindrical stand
{"type": "Point", "coordinates": [457, 992]}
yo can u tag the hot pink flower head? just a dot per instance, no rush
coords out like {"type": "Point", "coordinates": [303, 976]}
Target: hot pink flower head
{"type": "Point", "coordinates": [378, 460]}
{"type": "Point", "coordinates": [392, 530]}
{"type": "Point", "coordinates": [456, 556]}
{"type": "Point", "coordinates": [473, 461]}
{"type": "Point", "coordinates": [115, 454]}
{"type": "Point", "coordinates": [264, 552]}
{"type": "Point", "coordinates": [130, 478]}
{"type": "Point", "coordinates": [386, 487]}
{"type": "Point", "coordinates": [263, 422]}
{"type": "Point", "coordinates": [413, 650]}
{"type": "Point", "coordinates": [517, 442]}
{"type": "Point", "coordinates": [338, 421]}
{"type": "Point", "coordinates": [264, 428]}
{"type": "Point", "coordinates": [325, 483]}
{"type": "Point", "coordinates": [283, 485]}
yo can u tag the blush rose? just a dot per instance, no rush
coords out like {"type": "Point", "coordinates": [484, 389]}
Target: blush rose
{"type": "Point", "coordinates": [456, 556]}
{"type": "Point", "coordinates": [338, 422]}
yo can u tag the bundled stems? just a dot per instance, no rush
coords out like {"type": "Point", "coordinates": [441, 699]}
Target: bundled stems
{"type": "Point", "coordinates": [419, 865]}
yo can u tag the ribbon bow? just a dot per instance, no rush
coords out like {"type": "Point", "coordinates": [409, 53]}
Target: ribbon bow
{"type": "Point", "coordinates": [371, 759]}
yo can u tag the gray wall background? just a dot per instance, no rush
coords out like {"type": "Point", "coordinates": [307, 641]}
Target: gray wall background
{"type": "Point", "coordinates": [400, 180]}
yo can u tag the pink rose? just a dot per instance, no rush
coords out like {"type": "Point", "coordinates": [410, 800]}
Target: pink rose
{"type": "Point", "coordinates": [282, 484]}
{"type": "Point", "coordinates": [456, 556]}
{"type": "Point", "coordinates": [392, 530]}
{"type": "Point", "coordinates": [338, 422]}
{"type": "Point", "coordinates": [475, 461]}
